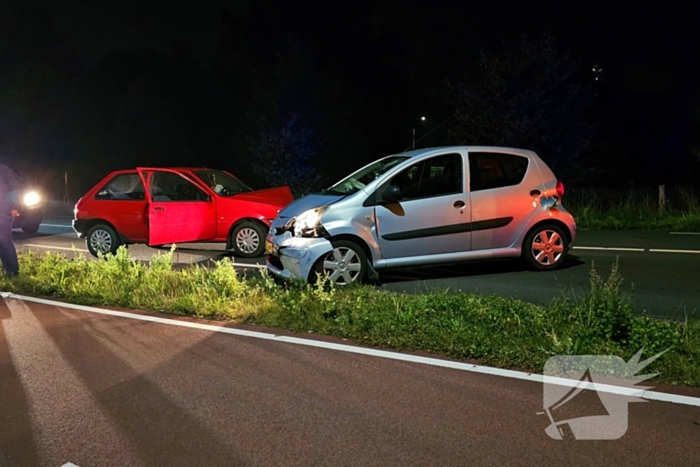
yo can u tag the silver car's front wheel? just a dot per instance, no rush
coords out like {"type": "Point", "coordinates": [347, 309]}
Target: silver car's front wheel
{"type": "Point", "coordinates": [345, 264]}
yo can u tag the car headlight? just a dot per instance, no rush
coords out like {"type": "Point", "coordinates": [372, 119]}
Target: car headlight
{"type": "Point", "coordinates": [31, 199]}
{"type": "Point", "coordinates": [308, 223]}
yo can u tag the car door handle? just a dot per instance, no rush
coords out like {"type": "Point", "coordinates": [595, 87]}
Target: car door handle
{"type": "Point", "coordinates": [458, 204]}
{"type": "Point", "coordinates": [535, 193]}
{"type": "Point", "coordinates": [159, 208]}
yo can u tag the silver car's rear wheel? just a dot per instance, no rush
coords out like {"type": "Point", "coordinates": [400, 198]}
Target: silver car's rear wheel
{"type": "Point", "coordinates": [546, 247]}
{"type": "Point", "coordinates": [346, 264]}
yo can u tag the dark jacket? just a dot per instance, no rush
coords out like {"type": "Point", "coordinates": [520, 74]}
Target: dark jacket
{"type": "Point", "coordinates": [9, 189]}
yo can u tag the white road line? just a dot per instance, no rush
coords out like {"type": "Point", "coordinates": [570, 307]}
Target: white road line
{"type": "Point", "coordinates": [50, 247]}
{"type": "Point", "coordinates": [605, 248]}
{"type": "Point", "coordinates": [534, 377]}
{"type": "Point", "coordinates": [674, 251]}
{"type": "Point", "coordinates": [651, 250]}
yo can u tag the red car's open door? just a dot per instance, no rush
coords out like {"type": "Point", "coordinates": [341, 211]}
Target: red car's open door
{"type": "Point", "coordinates": [178, 210]}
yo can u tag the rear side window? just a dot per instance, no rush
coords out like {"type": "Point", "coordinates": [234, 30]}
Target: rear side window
{"type": "Point", "coordinates": [123, 187]}
{"type": "Point", "coordinates": [489, 170]}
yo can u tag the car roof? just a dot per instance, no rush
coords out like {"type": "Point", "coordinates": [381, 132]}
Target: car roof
{"type": "Point", "coordinates": [440, 149]}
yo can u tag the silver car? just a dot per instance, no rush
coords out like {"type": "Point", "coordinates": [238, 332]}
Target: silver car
{"type": "Point", "coordinates": [425, 207]}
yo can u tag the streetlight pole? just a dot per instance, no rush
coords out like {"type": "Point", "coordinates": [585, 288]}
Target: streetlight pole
{"type": "Point", "coordinates": [414, 133]}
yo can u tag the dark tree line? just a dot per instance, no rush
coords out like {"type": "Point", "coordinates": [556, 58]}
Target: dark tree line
{"type": "Point", "coordinates": [531, 95]}
{"type": "Point", "coordinates": [294, 117]}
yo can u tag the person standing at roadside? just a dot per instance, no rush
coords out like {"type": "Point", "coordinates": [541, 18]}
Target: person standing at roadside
{"type": "Point", "coordinates": [9, 205]}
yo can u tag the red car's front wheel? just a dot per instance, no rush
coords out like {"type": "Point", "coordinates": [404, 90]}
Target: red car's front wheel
{"type": "Point", "coordinates": [248, 239]}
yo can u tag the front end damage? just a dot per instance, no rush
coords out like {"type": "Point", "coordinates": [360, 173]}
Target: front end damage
{"type": "Point", "coordinates": [293, 258]}
{"type": "Point", "coordinates": [293, 246]}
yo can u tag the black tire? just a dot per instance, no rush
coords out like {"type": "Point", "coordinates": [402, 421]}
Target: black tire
{"type": "Point", "coordinates": [102, 234]}
{"type": "Point", "coordinates": [553, 251]}
{"type": "Point", "coordinates": [343, 247]}
{"type": "Point", "coordinates": [31, 228]}
{"type": "Point", "coordinates": [248, 239]}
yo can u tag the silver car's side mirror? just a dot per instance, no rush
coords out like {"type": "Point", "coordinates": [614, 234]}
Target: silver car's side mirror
{"type": "Point", "coordinates": [391, 194]}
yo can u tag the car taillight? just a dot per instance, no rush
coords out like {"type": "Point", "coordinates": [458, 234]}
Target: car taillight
{"type": "Point", "coordinates": [560, 189]}
{"type": "Point", "coordinates": [77, 206]}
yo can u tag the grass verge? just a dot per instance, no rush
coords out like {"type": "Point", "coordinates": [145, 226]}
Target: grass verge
{"type": "Point", "coordinates": [603, 210]}
{"type": "Point", "coordinates": [630, 219]}
{"type": "Point", "coordinates": [493, 330]}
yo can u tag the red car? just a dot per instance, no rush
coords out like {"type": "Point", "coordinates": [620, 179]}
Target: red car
{"type": "Point", "coordinates": [181, 205]}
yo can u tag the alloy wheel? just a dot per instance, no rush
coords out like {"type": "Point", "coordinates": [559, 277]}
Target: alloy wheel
{"type": "Point", "coordinates": [343, 266]}
{"type": "Point", "coordinates": [247, 240]}
{"type": "Point", "coordinates": [101, 241]}
{"type": "Point", "coordinates": [547, 247]}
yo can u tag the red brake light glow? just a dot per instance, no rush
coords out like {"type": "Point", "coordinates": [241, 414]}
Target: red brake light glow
{"type": "Point", "coordinates": [560, 189]}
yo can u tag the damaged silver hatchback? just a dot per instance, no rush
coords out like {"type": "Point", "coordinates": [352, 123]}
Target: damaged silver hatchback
{"type": "Point", "coordinates": [423, 208]}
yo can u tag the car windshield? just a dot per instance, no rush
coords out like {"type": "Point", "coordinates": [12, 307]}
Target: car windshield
{"type": "Point", "coordinates": [222, 183]}
{"type": "Point", "coordinates": [358, 180]}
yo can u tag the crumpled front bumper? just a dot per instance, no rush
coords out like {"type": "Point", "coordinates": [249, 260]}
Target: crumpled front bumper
{"type": "Point", "coordinates": [293, 258]}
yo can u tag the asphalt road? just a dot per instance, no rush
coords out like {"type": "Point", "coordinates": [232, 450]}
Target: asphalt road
{"type": "Point", "coordinates": [662, 283]}
{"type": "Point", "coordinates": [95, 390]}
{"type": "Point", "coordinates": [661, 270]}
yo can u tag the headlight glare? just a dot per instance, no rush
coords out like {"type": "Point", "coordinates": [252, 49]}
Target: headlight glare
{"type": "Point", "coordinates": [32, 198]}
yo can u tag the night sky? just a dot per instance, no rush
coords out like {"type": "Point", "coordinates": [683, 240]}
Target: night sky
{"type": "Point", "coordinates": [394, 57]}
